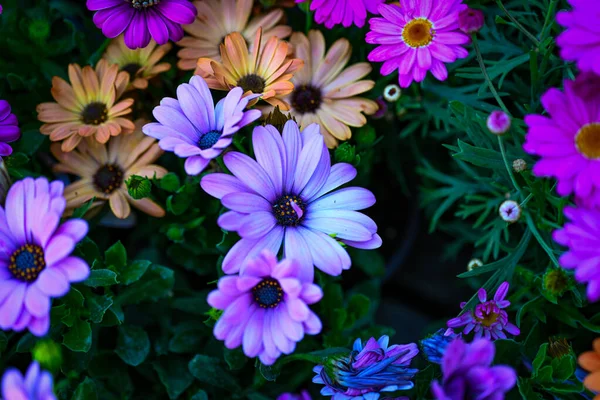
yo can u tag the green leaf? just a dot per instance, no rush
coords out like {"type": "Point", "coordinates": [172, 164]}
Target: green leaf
{"type": "Point", "coordinates": [507, 352]}
{"type": "Point", "coordinates": [174, 375]}
{"type": "Point", "coordinates": [545, 374]}
{"type": "Point", "coordinates": [481, 157]}
{"type": "Point", "coordinates": [208, 371]}
{"type": "Point", "coordinates": [371, 262]}
{"type": "Point", "coordinates": [97, 305]}
{"type": "Point", "coordinates": [86, 390]}
{"type": "Point", "coordinates": [79, 337]}
{"type": "Point", "coordinates": [564, 367]}
{"type": "Point", "coordinates": [155, 284]}
{"type": "Point", "coordinates": [133, 345]}
{"type": "Point", "coordinates": [89, 250]}
{"type": "Point", "coordinates": [170, 182]}
{"type": "Point", "coordinates": [187, 337]}
{"type": "Point", "coordinates": [26, 343]}
{"type": "Point", "coordinates": [526, 390]}
{"type": "Point", "coordinates": [80, 211]}
{"type": "Point", "coordinates": [200, 395]}
{"type": "Point", "coordinates": [30, 142]}
{"type": "Point", "coordinates": [564, 388]}
{"type": "Point", "coordinates": [236, 359]}
{"type": "Point", "coordinates": [539, 359]}
{"type": "Point", "coordinates": [134, 271]}
{"type": "Point", "coordinates": [101, 277]}
{"type": "Point", "coordinates": [3, 341]}
{"type": "Point", "coordinates": [138, 187]}
{"type": "Point", "coordinates": [116, 256]}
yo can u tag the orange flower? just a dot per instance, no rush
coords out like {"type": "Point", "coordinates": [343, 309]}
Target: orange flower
{"type": "Point", "coordinates": [325, 91]}
{"type": "Point", "coordinates": [86, 107]}
{"type": "Point", "coordinates": [217, 19]}
{"type": "Point", "coordinates": [140, 64]}
{"type": "Point", "coordinates": [265, 71]}
{"type": "Point", "coordinates": [104, 169]}
{"type": "Point", "coordinates": [590, 361]}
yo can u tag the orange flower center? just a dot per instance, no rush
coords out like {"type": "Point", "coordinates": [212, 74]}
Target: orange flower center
{"type": "Point", "coordinates": [587, 141]}
{"type": "Point", "coordinates": [252, 83]}
{"type": "Point", "coordinates": [94, 114]}
{"type": "Point", "coordinates": [27, 262]}
{"type": "Point", "coordinates": [418, 33]}
{"type": "Point", "coordinates": [306, 99]}
{"type": "Point", "coordinates": [141, 4]}
{"type": "Point", "coordinates": [108, 178]}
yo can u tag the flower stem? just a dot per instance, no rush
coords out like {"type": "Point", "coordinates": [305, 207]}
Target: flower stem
{"type": "Point", "coordinates": [517, 24]}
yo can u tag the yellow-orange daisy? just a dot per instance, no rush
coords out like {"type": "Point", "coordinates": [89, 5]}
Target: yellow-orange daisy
{"type": "Point", "coordinates": [217, 19]}
{"type": "Point", "coordinates": [87, 107]}
{"type": "Point", "coordinates": [325, 91]}
{"type": "Point", "coordinates": [265, 70]}
{"type": "Point", "coordinates": [590, 361]}
{"type": "Point", "coordinates": [141, 64]}
{"type": "Point", "coordinates": [104, 169]}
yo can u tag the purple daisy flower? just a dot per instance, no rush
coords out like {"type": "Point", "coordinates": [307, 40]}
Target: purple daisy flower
{"type": "Point", "coordinates": [416, 37]}
{"type": "Point", "coordinates": [368, 370]}
{"type": "Point", "coordinates": [35, 261]}
{"type": "Point", "coordinates": [194, 128]}
{"type": "Point", "coordinates": [488, 318]}
{"type": "Point", "coordinates": [287, 196]}
{"type": "Point", "coordinates": [141, 19]}
{"type": "Point", "coordinates": [580, 42]}
{"type": "Point", "coordinates": [467, 373]}
{"type": "Point", "coordinates": [35, 385]}
{"type": "Point", "coordinates": [567, 141]}
{"type": "Point", "coordinates": [9, 128]}
{"type": "Point", "coordinates": [266, 308]}
{"type": "Point", "coordinates": [582, 237]}
{"type": "Point", "coordinates": [304, 395]}
{"type": "Point", "coordinates": [345, 12]}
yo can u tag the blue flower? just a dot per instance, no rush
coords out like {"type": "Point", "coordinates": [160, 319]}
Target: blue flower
{"type": "Point", "coordinates": [435, 345]}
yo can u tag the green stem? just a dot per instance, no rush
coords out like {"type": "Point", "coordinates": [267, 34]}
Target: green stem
{"type": "Point", "coordinates": [549, 19]}
{"type": "Point", "coordinates": [517, 24]}
{"type": "Point", "coordinates": [508, 168]}
{"type": "Point", "coordinates": [485, 74]}
{"type": "Point", "coordinates": [524, 203]}
{"type": "Point", "coordinates": [540, 239]}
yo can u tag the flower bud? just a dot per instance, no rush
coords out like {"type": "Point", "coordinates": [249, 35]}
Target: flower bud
{"type": "Point", "coordinates": [392, 93]}
{"type": "Point", "coordinates": [278, 119]}
{"type": "Point", "coordinates": [498, 122]}
{"type": "Point", "coordinates": [510, 211]}
{"type": "Point", "coordinates": [519, 165]}
{"type": "Point", "coordinates": [474, 263]}
{"type": "Point", "coordinates": [556, 282]}
{"type": "Point", "coordinates": [48, 354]}
{"type": "Point", "coordinates": [345, 153]}
{"type": "Point", "coordinates": [138, 187]}
{"type": "Point", "coordinates": [470, 20]}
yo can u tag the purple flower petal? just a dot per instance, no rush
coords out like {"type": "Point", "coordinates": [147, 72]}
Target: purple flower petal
{"type": "Point", "coordinates": [219, 185]}
{"type": "Point", "coordinates": [254, 175]}
{"type": "Point", "coordinates": [37, 303]}
{"type": "Point", "coordinates": [156, 26]}
{"type": "Point", "coordinates": [181, 12]}
{"type": "Point", "coordinates": [118, 21]}
{"type": "Point", "coordinates": [58, 248]}
{"type": "Point", "coordinates": [12, 306]}
{"type": "Point", "coordinates": [352, 198]}
{"type": "Point", "coordinates": [74, 268]}
{"type": "Point", "coordinates": [252, 342]}
{"type": "Point", "coordinates": [257, 224]}
{"type": "Point", "coordinates": [270, 152]}
{"type": "Point", "coordinates": [246, 203]}
{"type": "Point", "coordinates": [296, 248]}
{"type": "Point", "coordinates": [53, 282]}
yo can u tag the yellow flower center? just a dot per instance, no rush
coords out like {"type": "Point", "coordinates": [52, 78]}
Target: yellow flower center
{"type": "Point", "coordinates": [587, 141]}
{"type": "Point", "coordinates": [488, 319]}
{"type": "Point", "coordinates": [418, 33]}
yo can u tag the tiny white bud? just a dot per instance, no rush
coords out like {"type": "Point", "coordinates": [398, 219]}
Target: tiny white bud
{"type": "Point", "coordinates": [510, 211]}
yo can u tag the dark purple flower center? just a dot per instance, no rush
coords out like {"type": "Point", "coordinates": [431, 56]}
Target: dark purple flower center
{"type": "Point", "coordinates": [141, 4]}
{"type": "Point", "coordinates": [268, 293]}
{"type": "Point", "coordinates": [306, 99]}
{"type": "Point", "coordinates": [94, 114]}
{"type": "Point", "coordinates": [289, 210]}
{"type": "Point", "coordinates": [252, 83]}
{"type": "Point", "coordinates": [132, 69]}
{"type": "Point", "coordinates": [108, 178]}
{"type": "Point", "coordinates": [27, 262]}
{"type": "Point", "coordinates": [209, 139]}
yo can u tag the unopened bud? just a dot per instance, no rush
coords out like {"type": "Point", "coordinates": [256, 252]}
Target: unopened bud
{"type": "Point", "coordinates": [519, 165]}
{"type": "Point", "coordinates": [498, 122]}
{"type": "Point", "coordinates": [392, 93]}
{"type": "Point", "coordinates": [474, 263]}
{"type": "Point", "coordinates": [510, 211]}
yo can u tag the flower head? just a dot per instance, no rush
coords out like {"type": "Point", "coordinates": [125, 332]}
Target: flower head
{"type": "Point", "coordinates": [582, 237]}
{"type": "Point", "coordinates": [345, 12]}
{"type": "Point", "coordinates": [36, 254]}
{"type": "Point", "coordinates": [104, 169]}
{"type": "Point", "coordinates": [9, 128]}
{"type": "Point", "coordinates": [140, 20]}
{"type": "Point", "coordinates": [580, 41]}
{"type": "Point", "coordinates": [368, 370]}
{"type": "Point", "coordinates": [590, 361]}
{"type": "Point", "coordinates": [194, 128]}
{"type": "Point", "coordinates": [35, 385]}
{"type": "Point", "coordinates": [86, 107]}
{"type": "Point", "coordinates": [326, 91]}
{"type": "Point", "coordinates": [435, 345]}
{"type": "Point", "coordinates": [416, 37]}
{"type": "Point", "coordinates": [467, 369]}
{"type": "Point", "coordinates": [470, 20]}
{"type": "Point", "coordinates": [498, 122]}
{"type": "Point", "coordinates": [141, 64]}
{"type": "Point", "coordinates": [510, 211]}
{"type": "Point", "coordinates": [266, 307]}
{"type": "Point", "coordinates": [304, 395]}
{"type": "Point", "coordinates": [568, 141]}
{"type": "Point", "coordinates": [488, 319]}
{"type": "Point", "coordinates": [218, 18]}
{"type": "Point", "coordinates": [265, 70]}
{"type": "Point", "coordinates": [519, 165]}
{"type": "Point", "coordinates": [288, 196]}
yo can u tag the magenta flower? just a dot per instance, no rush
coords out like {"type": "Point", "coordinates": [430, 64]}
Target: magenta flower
{"type": "Point", "coordinates": [582, 237]}
{"type": "Point", "coordinates": [488, 319]}
{"type": "Point", "coordinates": [288, 196]}
{"type": "Point", "coordinates": [304, 395]}
{"type": "Point", "coordinates": [471, 20]}
{"type": "Point", "coordinates": [498, 122]}
{"type": "Point", "coordinates": [580, 42]}
{"type": "Point", "coordinates": [35, 261]}
{"type": "Point", "coordinates": [568, 141]}
{"type": "Point", "coordinates": [9, 128]}
{"type": "Point", "coordinates": [141, 20]}
{"type": "Point", "coordinates": [345, 12]}
{"type": "Point", "coordinates": [35, 385]}
{"type": "Point", "coordinates": [417, 37]}
{"type": "Point", "coordinates": [266, 308]}
{"type": "Point", "coordinates": [194, 128]}
{"type": "Point", "coordinates": [467, 373]}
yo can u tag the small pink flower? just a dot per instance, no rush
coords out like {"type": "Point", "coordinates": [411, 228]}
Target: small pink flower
{"type": "Point", "coordinates": [498, 122]}
{"type": "Point", "coordinates": [470, 20]}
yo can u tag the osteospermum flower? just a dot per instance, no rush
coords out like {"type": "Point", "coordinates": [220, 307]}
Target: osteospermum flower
{"type": "Point", "coordinates": [140, 20]}
{"type": "Point", "coordinates": [218, 18]}
{"type": "Point", "coordinates": [104, 169]}
{"type": "Point", "coordinates": [582, 237]}
{"type": "Point", "coordinates": [467, 370]}
{"type": "Point", "coordinates": [580, 42]}
{"type": "Point", "coordinates": [568, 142]}
{"type": "Point", "coordinates": [265, 70]}
{"type": "Point", "coordinates": [35, 262]}
{"type": "Point", "coordinates": [325, 92]}
{"type": "Point", "coordinates": [488, 319]}
{"type": "Point", "coordinates": [266, 307]}
{"type": "Point", "coordinates": [35, 385]}
{"type": "Point", "coordinates": [345, 12]}
{"type": "Point", "coordinates": [417, 37]}
{"type": "Point", "coordinates": [194, 128]}
{"type": "Point", "coordinates": [9, 128]}
{"type": "Point", "coordinates": [304, 395]}
{"type": "Point", "coordinates": [435, 345]}
{"type": "Point", "coordinates": [287, 196]}
{"type": "Point", "coordinates": [88, 106]}
{"type": "Point", "coordinates": [368, 371]}
{"type": "Point", "coordinates": [141, 64]}
{"type": "Point", "coordinates": [590, 361]}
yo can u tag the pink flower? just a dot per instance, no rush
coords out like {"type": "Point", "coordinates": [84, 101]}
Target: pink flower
{"type": "Point", "coordinates": [470, 20]}
{"type": "Point", "coordinates": [345, 12]}
{"type": "Point", "coordinates": [580, 42]}
{"type": "Point", "coordinates": [498, 122]}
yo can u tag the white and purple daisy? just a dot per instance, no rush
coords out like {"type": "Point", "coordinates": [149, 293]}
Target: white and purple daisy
{"type": "Point", "coordinates": [288, 196]}
{"type": "Point", "coordinates": [194, 128]}
{"type": "Point", "coordinates": [35, 385]}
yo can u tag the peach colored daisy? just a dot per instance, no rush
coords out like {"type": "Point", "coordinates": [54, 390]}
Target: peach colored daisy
{"type": "Point", "coordinates": [88, 106]}
{"type": "Point", "coordinates": [265, 70]}
{"type": "Point", "coordinates": [217, 19]}
{"type": "Point", "coordinates": [325, 91]}
{"type": "Point", "coordinates": [590, 361]}
{"type": "Point", "coordinates": [104, 169]}
{"type": "Point", "coordinates": [141, 64]}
